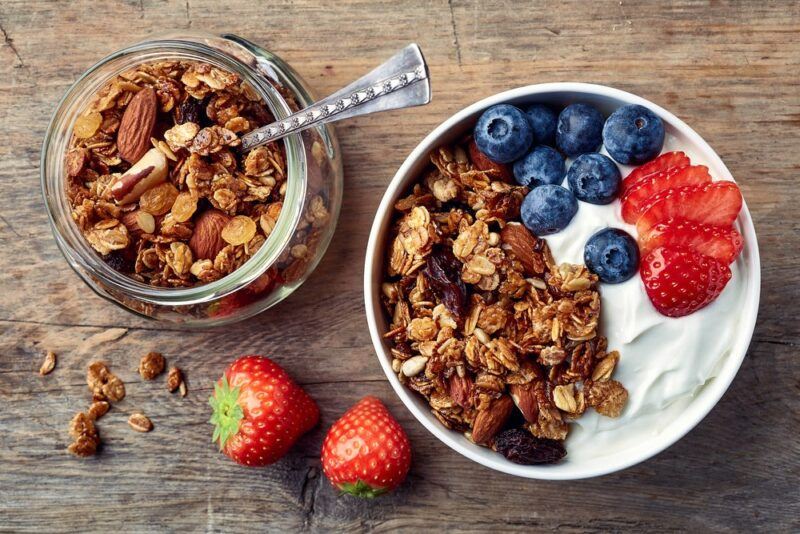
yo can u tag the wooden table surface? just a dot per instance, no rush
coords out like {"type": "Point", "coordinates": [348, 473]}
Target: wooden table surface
{"type": "Point", "coordinates": [730, 69]}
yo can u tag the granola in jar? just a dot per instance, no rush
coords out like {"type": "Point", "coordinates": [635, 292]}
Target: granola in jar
{"type": "Point", "coordinates": [158, 186]}
{"type": "Point", "coordinates": [501, 340]}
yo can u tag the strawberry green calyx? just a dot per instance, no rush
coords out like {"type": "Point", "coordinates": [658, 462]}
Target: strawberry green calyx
{"type": "Point", "coordinates": [361, 489]}
{"type": "Point", "coordinates": [227, 412]}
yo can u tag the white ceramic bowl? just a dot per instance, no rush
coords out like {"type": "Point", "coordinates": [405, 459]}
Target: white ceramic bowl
{"type": "Point", "coordinates": [559, 94]}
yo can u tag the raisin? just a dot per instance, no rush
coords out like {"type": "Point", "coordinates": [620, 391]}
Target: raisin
{"type": "Point", "coordinates": [190, 110]}
{"type": "Point", "coordinates": [443, 271]}
{"type": "Point", "coordinates": [521, 447]}
{"type": "Point", "coordinates": [116, 261]}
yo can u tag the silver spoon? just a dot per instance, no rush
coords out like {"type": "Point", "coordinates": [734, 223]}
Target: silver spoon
{"type": "Point", "coordinates": [401, 82]}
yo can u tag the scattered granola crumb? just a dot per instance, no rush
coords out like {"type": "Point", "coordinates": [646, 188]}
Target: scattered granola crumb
{"type": "Point", "coordinates": [104, 384]}
{"type": "Point", "coordinates": [48, 364]}
{"type": "Point", "coordinates": [140, 422]}
{"type": "Point", "coordinates": [182, 388]}
{"type": "Point", "coordinates": [151, 365]}
{"type": "Point", "coordinates": [84, 433]}
{"type": "Point", "coordinates": [174, 379]}
{"type": "Point", "coordinates": [97, 410]}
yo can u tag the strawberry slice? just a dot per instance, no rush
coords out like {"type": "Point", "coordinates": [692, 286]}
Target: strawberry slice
{"type": "Point", "coordinates": [722, 243]}
{"type": "Point", "coordinates": [680, 281]}
{"type": "Point", "coordinates": [664, 162]}
{"type": "Point", "coordinates": [636, 197]}
{"type": "Point", "coordinates": [716, 203]}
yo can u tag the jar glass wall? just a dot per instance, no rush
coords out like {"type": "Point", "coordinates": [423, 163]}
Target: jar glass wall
{"type": "Point", "coordinates": [302, 232]}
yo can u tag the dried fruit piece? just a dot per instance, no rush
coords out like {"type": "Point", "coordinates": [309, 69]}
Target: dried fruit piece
{"type": "Point", "coordinates": [87, 125]}
{"type": "Point", "coordinates": [184, 207]}
{"type": "Point", "coordinates": [443, 272]}
{"type": "Point", "coordinates": [159, 199]}
{"type": "Point", "coordinates": [520, 447]}
{"type": "Point", "coordinates": [48, 364]}
{"type": "Point", "coordinates": [239, 230]}
{"type": "Point", "coordinates": [151, 365]}
{"type": "Point", "coordinates": [140, 422]}
{"type": "Point", "coordinates": [207, 242]}
{"type": "Point", "coordinates": [136, 126]}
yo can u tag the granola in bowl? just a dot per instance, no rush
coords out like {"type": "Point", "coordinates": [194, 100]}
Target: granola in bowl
{"type": "Point", "coordinates": [674, 368]}
{"type": "Point", "coordinates": [500, 339]}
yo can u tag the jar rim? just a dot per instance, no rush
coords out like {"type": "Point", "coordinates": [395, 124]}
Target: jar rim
{"type": "Point", "coordinates": [190, 46]}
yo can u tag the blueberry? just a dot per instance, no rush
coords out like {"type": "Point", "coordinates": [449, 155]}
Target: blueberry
{"type": "Point", "coordinates": [612, 255]}
{"type": "Point", "coordinates": [594, 178]}
{"type": "Point", "coordinates": [543, 122]}
{"type": "Point", "coordinates": [633, 135]}
{"type": "Point", "coordinates": [503, 133]}
{"type": "Point", "coordinates": [580, 130]}
{"type": "Point", "coordinates": [548, 209]}
{"type": "Point", "coordinates": [542, 165]}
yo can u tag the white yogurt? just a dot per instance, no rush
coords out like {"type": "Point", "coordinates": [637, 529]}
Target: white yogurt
{"type": "Point", "coordinates": [664, 362]}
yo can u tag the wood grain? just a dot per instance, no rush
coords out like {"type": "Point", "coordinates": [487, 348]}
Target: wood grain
{"type": "Point", "coordinates": [728, 68]}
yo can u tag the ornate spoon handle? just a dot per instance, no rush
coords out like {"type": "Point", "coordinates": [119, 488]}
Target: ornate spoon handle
{"type": "Point", "coordinates": [401, 82]}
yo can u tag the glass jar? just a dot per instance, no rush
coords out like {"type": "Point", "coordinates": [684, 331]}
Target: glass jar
{"type": "Point", "coordinates": [303, 229]}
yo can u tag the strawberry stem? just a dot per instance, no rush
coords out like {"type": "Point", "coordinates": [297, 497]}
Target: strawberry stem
{"type": "Point", "coordinates": [361, 489]}
{"type": "Point", "coordinates": [226, 412]}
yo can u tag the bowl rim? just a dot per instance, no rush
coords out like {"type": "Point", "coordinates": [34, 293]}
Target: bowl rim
{"type": "Point", "coordinates": [700, 406]}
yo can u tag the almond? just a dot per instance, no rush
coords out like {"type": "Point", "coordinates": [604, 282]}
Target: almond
{"type": "Point", "coordinates": [524, 398]}
{"type": "Point", "coordinates": [136, 125]}
{"type": "Point", "coordinates": [146, 173]}
{"type": "Point", "coordinates": [139, 222]}
{"type": "Point", "coordinates": [206, 242]}
{"type": "Point", "coordinates": [489, 421]}
{"type": "Point", "coordinates": [460, 390]}
{"type": "Point", "coordinates": [524, 246]}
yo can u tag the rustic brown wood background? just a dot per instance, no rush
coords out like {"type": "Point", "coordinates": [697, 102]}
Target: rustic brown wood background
{"type": "Point", "coordinates": [730, 69]}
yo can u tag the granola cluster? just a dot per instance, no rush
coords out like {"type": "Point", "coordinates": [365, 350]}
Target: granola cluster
{"type": "Point", "coordinates": [157, 185]}
{"type": "Point", "coordinates": [483, 323]}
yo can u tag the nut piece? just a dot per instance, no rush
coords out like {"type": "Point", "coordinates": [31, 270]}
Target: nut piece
{"type": "Point", "coordinates": [97, 410]}
{"type": "Point", "coordinates": [414, 366]}
{"type": "Point", "coordinates": [137, 125]}
{"type": "Point", "coordinates": [151, 365]}
{"type": "Point", "coordinates": [140, 422]}
{"type": "Point", "coordinates": [174, 380]}
{"type": "Point", "coordinates": [139, 222]}
{"type": "Point", "coordinates": [524, 246]}
{"type": "Point", "coordinates": [206, 242]}
{"type": "Point", "coordinates": [489, 421]}
{"type": "Point", "coordinates": [146, 173]}
{"type": "Point", "coordinates": [239, 230]}
{"type": "Point", "coordinates": [524, 398]}
{"type": "Point", "coordinates": [48, 364]}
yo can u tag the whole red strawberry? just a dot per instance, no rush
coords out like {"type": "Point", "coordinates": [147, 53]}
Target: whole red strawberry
{"type": "Point", "coordinates": [680, 281]}
{"type": "Point", "coordinates": [366, 452]}
{"type": "Point", "coordinates": [259, 411]}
